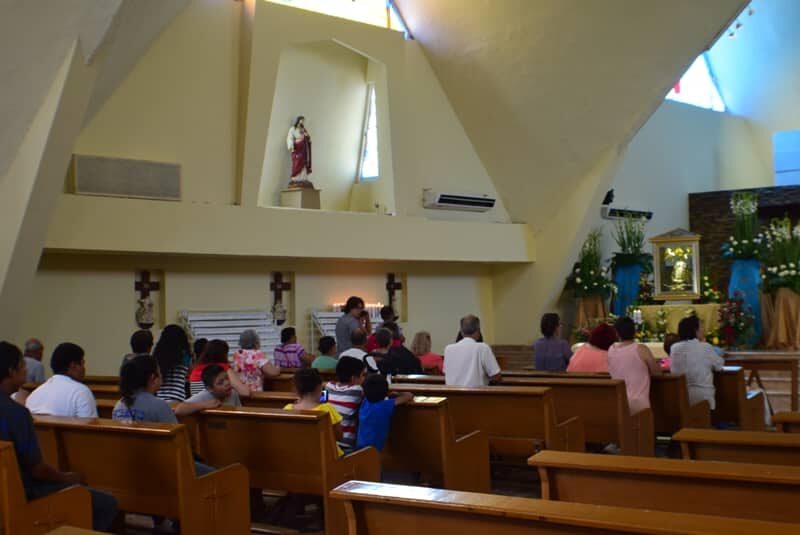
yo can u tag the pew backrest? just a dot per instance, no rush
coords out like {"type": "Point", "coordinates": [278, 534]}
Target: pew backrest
{"type": "Point", "coordinates": [787, 422]}
{"type": "Point", "coordinates": [759, 447]}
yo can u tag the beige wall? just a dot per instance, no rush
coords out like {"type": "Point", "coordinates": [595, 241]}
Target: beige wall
{"type": "Point", "coordinates": [326, 83]}
{"type": "Point", "coordinates": [89, 299]}
{"type": "Point", "coordinates": [179, 104]}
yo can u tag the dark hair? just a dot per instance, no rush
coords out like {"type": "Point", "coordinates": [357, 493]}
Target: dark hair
{"type": "Point", "coordinates": [358, 337]}
{"type": "Point", "coordinates": [134, 376]}
{"type": "Point", "coordinates": [687, 328]}
{"type": "Point", "coordinates": [383, 337]}
{"type": "Point", "coordinates": [287, 334]}
{"type": "Point", "coordinates": [171, 347]}
{"type": "Point", "coordinates": [141, 341]}
{"type": "Point", "coordinates": [376, 388]}
{"type": "Point", "coordinates": [306, 381]}
{"type": "Point", "coordinates": [352, 302]}
{"type": "Point", "coordinates": [199, 346]}
{"type": "Point", "coordinates": [326, 344]}
{"type": "Point", "coordinates": [387, 314]}
{"type": "Point", "coordinates": [670, 339]}
{"type": "Point", "coordinates": [297, 120]}
{"type": "Point", "coordinates": [64, 355]}
{"type": "Point", "coordinates": [348, 367]}
{"type": "Point", "coordinates": [549, 324]}
{"type": "Point", "coordinates": [216, 351]}
{"type": "Point", "coordinates": [626, 328]}
{"type": "Point", "coordinates": [10, 355]}
{"type": "Point", "coordinates": [210, 373]}
{"type": "Point", "coordinates": [392, 328]}
{"type": "Point", "coordinates": [603, 336]}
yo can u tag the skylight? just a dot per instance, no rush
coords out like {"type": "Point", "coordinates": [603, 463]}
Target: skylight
{"type": "Point", "coordinates": [381, 13]}
{"type": "Point", "coordinates": [697, 87]}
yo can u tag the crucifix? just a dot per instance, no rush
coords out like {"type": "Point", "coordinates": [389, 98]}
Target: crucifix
{"type": "Point", "coordinates": [144, 313]}
{"type": "Point", "coordinates": [392, 285]}
{"type": "Point", "coordinates": [144, 285]}
{"type": "Point", "coordinates": [277, 287]}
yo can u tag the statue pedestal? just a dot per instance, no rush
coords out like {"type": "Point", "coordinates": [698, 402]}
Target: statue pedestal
{"type": "Point", "coordinates": [300, 198]}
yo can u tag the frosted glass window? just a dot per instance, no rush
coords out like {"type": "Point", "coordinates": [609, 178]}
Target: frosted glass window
{"type": "Point", "coordinates": [375, 12]}
{"type": "Point", "coordinates": [369, 153]}
{"type": "Point", "coordinates": [697, 87]}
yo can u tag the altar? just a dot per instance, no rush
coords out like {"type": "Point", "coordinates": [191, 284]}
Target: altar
{"type": "Point", "coordinates": [708, 314]}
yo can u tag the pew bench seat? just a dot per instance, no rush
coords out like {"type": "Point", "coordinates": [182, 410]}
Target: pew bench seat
{"type": "Point", "coordinates": [759, 447]}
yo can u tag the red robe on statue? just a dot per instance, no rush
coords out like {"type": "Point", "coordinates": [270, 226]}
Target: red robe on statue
{"type": "Point", "coordinates": [301, 156]}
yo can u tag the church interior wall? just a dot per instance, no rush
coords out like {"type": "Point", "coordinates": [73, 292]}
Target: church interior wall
{"type": "Point", "coordinates": [89, 299]}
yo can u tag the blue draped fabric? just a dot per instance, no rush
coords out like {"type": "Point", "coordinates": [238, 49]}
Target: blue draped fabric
{"type": "Point", "coordinates": [746, 279]}
{"type": "Point", "coordinates": [627, 280]}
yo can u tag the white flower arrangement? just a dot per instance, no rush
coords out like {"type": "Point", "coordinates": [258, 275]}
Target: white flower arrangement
{"type": "Point", "coordinates": [744, 205]}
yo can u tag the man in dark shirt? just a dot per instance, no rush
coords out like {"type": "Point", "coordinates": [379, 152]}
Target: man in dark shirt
{"type": "Point", "coordinates": [16, 426]}
{"type": "Point", "coordinates": [394, 359]}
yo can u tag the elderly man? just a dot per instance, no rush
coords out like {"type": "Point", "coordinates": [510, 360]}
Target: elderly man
{"type": "Point", "coordinates": [34, 349]}
{"type": "Point", "coordinates": [469, 362]}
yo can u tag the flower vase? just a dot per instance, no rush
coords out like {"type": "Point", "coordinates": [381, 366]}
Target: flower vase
{"type": "Point", "coordinates": [626, 277]}
{"type": "Point", "coordinates": [746, 280]}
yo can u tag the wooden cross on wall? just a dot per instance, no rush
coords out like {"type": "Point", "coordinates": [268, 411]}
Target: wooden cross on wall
{"type": "Point", "coordinates": [392, 285]}
{"type": "Point", "coordinates": [144, 285]}
{"type": "Point", "coordinates": [278, 286]}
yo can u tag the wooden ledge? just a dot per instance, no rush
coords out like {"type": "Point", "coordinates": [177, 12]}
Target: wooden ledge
{"type": "Point", "coordinates": [477, 390]}
{"type": "Point", "coordinates": [109, 426]}
{"type": "Point", "coordinates": [749, 438]}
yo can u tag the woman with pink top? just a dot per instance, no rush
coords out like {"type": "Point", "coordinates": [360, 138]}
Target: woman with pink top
{"type": "Point", "coordinates": [634, 363]}
{"type": "Point", "coordinates": [593, 356]}
{"type": "Point", "coordinates": [251, 363]}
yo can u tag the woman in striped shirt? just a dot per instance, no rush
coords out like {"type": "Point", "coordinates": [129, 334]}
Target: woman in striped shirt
{"type": "Point", "coordinates": [174, 359]}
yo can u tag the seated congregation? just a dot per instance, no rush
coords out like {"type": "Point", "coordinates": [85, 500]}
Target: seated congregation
{"type": "Point", "coordinates": [367, 408]}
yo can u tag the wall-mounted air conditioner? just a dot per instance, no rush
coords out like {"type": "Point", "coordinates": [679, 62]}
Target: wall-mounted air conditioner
{"type": "Point", "coordinates": [606, 212]}
{"type": "Point", "coordinates": [456, 201]}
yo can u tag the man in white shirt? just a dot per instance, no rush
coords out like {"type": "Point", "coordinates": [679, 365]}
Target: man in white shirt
{"type": "Point", "coordinates": [64, 394]}
{"type": "Point", "coordinates": [469, 362]}
{"type": "Point", "coordinates": [358, 341]}
{"type": "Point", "coordinates": [34, 349]}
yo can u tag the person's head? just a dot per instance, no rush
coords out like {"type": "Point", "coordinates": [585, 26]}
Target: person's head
{"type": "Point", "coordinates": [288, 335]}
{"type": "Point", "coordinates": [603, 336]}
{"type": "Point", "coordinates": [670, 339]}
{"type": "Point", "coordinates": [471, 327]}
{"type": "Point", "coordinates": [34, 348]}
{"type": "Point", "coordinates": [393, 328]}
{"type": "Point", "coordinates": [249, 340]}
{"type": "Point", "coordinates": [199, 346]}
{"type": "Point", "coordinates": [299, 121]}
{"type": "Point", "coordinates": [358, 338]}
{"type": "Point", "coordinates": [172, 345]}
{"type": "Point", "coordinates": [626, 328]}
{"type": "Point", "coordinates": [327, 346]}
{"type": "Point", "coordinates": [383, 337]}
{"type": "Point", "coordinates": [353, 306]}
{"type": "Point", "coordinates": [68, 360]}
{"type": "Point", "coordinates": [350, 371]}
{"type": "Point", "coordinates": [550, 325]}
{"type": "Point", "coordinates": [421, 344]}
{"type": "Point", "coordinates": [689, 328]}
{"type": "Point", "coordinates": [308, 383]}
{"type": "Point", "coordinates": [216, 381]}
{"type": "Point", "coordinates": [366, 321]}
{"type": "Point", "coordinates": [138, 374]}
{"type": "Point", "coordinates": [216, 351]}
{"type": "Point", "coordinates": [388, 315]}
{"type": "Point", "coordinates": [141, 342]}
{"type": "Point", "coordinates": [13, 370]}
{"type": "Point", "coordinates": [376, 388]}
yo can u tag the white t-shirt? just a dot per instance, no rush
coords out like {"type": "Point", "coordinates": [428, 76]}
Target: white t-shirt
{"type": "Point", "coordinates": [469, 363]}
{"type": "Point", "coordinates": [61, 395]}
{"type": "Point", "coordinates": [359, 354]}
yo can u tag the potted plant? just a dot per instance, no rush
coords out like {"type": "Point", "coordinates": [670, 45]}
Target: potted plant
{"type": "Point", "coordinates": [589, 281]}
{"type": "Point", "coordinates": [781, 280]}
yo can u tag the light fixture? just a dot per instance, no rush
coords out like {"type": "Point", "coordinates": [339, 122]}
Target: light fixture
{"type": "Point", "coordinates": [738, 25]}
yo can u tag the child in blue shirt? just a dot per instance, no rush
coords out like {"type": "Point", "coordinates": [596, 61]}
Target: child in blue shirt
{"type": "Point", "coordinates": [376, 411]}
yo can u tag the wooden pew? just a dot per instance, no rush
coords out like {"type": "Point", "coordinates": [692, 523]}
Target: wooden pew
{"type": "Point", "coordinates": [669, 399]}
{"type": "Point", "coordinates": [380, 509]}
{"type": "Point", "coordinates": [18, 516]}
{"type": "Point", "coordinates": [149, 469]}
{"type": "Point", "coordinates": [787, 422]}
{"type": "Point", "coordinates": [105, 408]}
{"type": "Point", "coordinates": [69, 530]}
{"type": "Point", "coordinates": [423, 439]}
{"type": "Point", "coordinates": [734, 403]}
{"type": "Point", "coordinates": [284, 450]}
{"type": "Point", "coordinates": [269, 399]}
{"type": "Point", "coordinates": [518, 420]}
{"type": "Point", "coordinates": [105, 391]}
{"type": "Point", "coordinates": [759, 447]}
{"type": "Point", "coordinates": [721, 489]}
{"type": "Point", "coordinates": [101, 380]}
{"type": "Point", "coordinates": [601, 405]}
{"type": "Point", "coordinates": [285, 381]}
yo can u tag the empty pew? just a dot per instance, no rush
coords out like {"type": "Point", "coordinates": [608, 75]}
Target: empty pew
{"type": "Point", "coordinates": [380, 509]}
{"type": "Point", "coordinates": [721, 489]}
{"type": "Point", "coordinates": [734, 403]}
{"type": "Point", "coordinates": [518, 420]}
{"type": "Point", "coordinates": [285, 381]}
{"type": "Point", "coordinates": [149, 469]}
{"type": "Point", "coordinates": [787, 422]}
{"type": "Point", "coordinates": [283, 450]}
{"type": "Point", "coordinates": [669, 399]}
{"type": "Point", "coordinates": [423, 439]}
{"type": "Point", "coordinates": [759, 447]}
{"type": "Point", "coordinates": [18, 516]}
{"type": "Point", "coordinates": [269, 399]}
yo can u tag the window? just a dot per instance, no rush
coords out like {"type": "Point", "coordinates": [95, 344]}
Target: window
{"type": "Point", "coordinates": [368, 168]}
{"type": "Point", "coordinates": [697, 87]}
{"type": "Point", "coordinates": [381, 13]}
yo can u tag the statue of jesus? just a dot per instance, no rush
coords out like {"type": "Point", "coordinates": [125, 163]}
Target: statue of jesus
{"type": "Point", "coordinates": [298, 141]}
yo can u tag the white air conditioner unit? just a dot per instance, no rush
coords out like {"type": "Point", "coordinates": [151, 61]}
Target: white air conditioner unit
{"type": "Point", "coordinates": [606, 212]}
{"type": "Point", "coordinates": [457, 201]}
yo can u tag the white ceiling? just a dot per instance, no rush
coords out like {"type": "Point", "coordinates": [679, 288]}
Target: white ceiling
{"type": "Point", "coordinates": [544, 88]}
